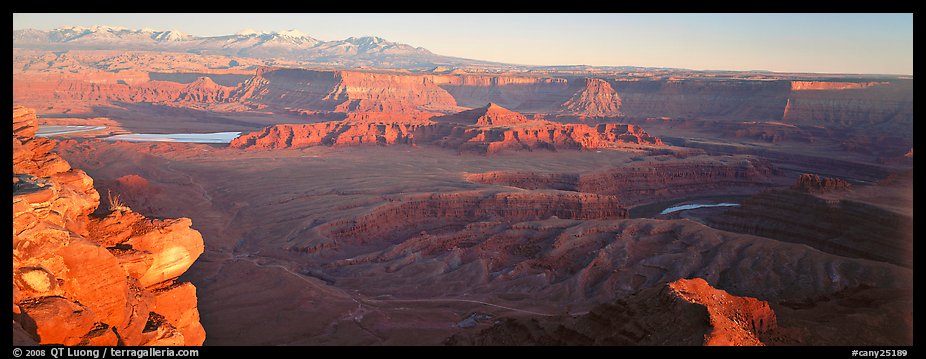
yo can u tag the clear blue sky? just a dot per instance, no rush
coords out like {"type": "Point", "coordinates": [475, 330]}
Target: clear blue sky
{"type": "Point", "coordinates": [834, 43]}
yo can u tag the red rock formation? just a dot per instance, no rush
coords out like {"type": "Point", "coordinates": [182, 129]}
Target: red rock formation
{"type": "Point", "coordinates": [87, 87]}
{"type": "Point", "coordinates": [84, 280]}
{"type": "Point", "coordinates": [595, 98]}
{"type": "Point", "coordinates": [414, 214]}
{"type": "Point", "coordinates": [492, 129]}
{"type": "Point", "coordinates": [683, 312]}
{"type": "Point", "coordinates": [735, 320]}
{"type": "Point", "coordinates": [809, 182]}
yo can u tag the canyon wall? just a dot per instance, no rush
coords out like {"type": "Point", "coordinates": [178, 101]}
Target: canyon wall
{"type": "Point", "coordinates": [646, 181]}
{"type": "Point", "coordinates": [522, 94]}
{"type": "Point", "coordinates": [849, 227]}
{"type": "Point", "coordinates": [706, 99]}
{"type": "Point", "coordinates": [875, 107]}
{"type": "Point", "coordinates": [344, 91]}
{"type": "Point", "coordinates": [394, 222]}
{"type": "Point", "coordinates": [88, 276]}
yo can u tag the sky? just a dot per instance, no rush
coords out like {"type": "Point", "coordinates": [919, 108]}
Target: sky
{"type": "Point", "coordinates": [823, 43]}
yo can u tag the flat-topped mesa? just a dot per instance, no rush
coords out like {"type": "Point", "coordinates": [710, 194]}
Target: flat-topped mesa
{"type": "Point", "coordinates": [93, 280]}
{"type": "Point", "coordinates": [813, 183]}
{"type": "Point", "coordinates": [594, 98]}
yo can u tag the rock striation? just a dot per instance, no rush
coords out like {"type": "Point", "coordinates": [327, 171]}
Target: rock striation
{"type": "Point", "coordinates": [87, 276]}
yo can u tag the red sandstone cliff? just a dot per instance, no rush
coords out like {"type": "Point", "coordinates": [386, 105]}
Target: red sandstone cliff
{"type": "Point", "coordinates": [489, 129]}
{"type": "Point", "coordinates": [93, 279]}
{"type": "Point", "coordinates": [414, 214]}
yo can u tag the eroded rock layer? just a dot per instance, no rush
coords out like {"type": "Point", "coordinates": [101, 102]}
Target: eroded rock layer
{"type": "Point", "coordinates": [444, 210]}
{"type": "Point", "coordinates": [489, 129]}
{"type": "Point", "coordinates": [85, 278]}
{"type": "Point", "coordinates": [646, 181]}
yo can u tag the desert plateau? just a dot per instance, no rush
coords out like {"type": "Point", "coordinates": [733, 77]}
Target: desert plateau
{"type": "Point", "coordinates": [270, 188]}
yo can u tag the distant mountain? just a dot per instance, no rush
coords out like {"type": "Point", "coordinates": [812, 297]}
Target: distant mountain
{"type": "Point", "coordinates": [354, 51]}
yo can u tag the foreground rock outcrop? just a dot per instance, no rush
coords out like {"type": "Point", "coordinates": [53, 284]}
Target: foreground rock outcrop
{"type": "Point", "coordinates": [489, 129]}
{"type": "Point", "coordinates": [682, 312]}
{"type": "Point", "coordinates": [88, 277]}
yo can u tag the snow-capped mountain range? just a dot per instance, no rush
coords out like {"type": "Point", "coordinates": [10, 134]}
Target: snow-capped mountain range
{"type": "Point", "coordinates": [290, 44]}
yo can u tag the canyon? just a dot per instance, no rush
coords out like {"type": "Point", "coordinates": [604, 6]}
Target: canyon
{"type": "Point", "coordinates": [472, 205]}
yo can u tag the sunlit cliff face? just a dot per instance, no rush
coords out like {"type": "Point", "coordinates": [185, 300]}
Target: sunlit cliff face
{"type": "Point", "coordinates": [82, 279]}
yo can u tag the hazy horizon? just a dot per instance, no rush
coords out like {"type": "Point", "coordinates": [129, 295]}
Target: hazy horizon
{"type": "Point", "coordinates": [806, 43]}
